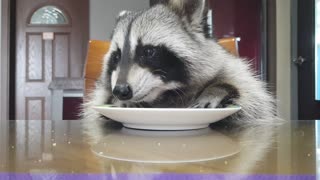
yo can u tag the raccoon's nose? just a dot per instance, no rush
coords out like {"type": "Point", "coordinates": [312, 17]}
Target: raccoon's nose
{"type": "Point", "coordinates": [122, 92]}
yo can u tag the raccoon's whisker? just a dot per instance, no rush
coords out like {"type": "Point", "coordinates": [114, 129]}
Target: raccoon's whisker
{"type": "Point", "coordinates": [159, 70]}
{"type": "Point", "coordinates": [114, 96]}
{"type": "Point", "coordinates": [177, 92]}
{"type": "Point", "coordinates": [193, 100]}
{"type": "Point", "coordinates": [164, 77]}
{"type": "Point", "coordinates": [182, 92]}
{"type": "Point", "coordinates": [143, 81]}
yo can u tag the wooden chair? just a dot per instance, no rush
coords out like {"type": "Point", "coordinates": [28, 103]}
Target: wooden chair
{"type": "Point", "coordinates": [97, 50]}
{"type": "Point", "coordinates": [230, 44]}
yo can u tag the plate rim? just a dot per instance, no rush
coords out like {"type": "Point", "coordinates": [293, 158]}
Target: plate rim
{"type": "Point", "coordinates": [111, 112]}
{"type": "Point", "coordinates": [166, 161]}
{"type": "Point", "coordinates": [169, 109]}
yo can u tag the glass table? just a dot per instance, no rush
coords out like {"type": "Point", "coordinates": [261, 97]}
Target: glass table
{"type": "Point", "coordinates": [61, 150]}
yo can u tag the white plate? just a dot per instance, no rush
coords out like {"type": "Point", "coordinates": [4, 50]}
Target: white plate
{"type": "Point", "coordinates": [165, 118]}
{"type": "Point", "coordinates": [165, 147]}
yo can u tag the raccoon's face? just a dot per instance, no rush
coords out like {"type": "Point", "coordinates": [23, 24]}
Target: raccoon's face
{"type": "Point", "coordinates": [147, 73]}
{"type": "Point", "coordinates": [152, 52]}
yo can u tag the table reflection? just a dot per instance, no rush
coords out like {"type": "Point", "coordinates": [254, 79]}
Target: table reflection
{"type": "Point", "coordinates": [165, 147]}
{"type": "Point", "coordinates": [62, 147]}
{"type": "Point", "coordinates": [218, 149]}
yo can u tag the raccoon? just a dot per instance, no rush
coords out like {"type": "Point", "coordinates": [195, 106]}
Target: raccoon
{"type": "Point", "coordinates": [162, 57]}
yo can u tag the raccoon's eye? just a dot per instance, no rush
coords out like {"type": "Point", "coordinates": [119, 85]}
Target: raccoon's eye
{"type": "Point", "coordinates": [116, 57]}
{"type": "Point", "coordinates": [149, 52]}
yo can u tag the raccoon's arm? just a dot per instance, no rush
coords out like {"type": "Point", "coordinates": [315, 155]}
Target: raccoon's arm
{"type": "Point", "coordinates": [217, 96]}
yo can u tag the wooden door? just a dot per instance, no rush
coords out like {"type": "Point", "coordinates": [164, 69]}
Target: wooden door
{"type": "Point", "coordinates": [51, 40]}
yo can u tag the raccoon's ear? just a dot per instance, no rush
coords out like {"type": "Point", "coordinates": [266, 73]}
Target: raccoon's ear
{"type": "Point", "coordinates": [122, 14]}
{"type": "Point", "coordinates": [192, 11]}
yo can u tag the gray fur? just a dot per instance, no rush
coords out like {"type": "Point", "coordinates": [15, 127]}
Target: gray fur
{"type": "Point", "coordinates": [167, 24]}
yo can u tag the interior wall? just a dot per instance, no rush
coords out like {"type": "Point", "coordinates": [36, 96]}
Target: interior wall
{"type": "Point", "coordinates": [284, 81]}
{"type": "Point", "coordinates": [4, 60]}
{"type": "Point", "coordinates": [3, 120]}
{"type": "Point", "coordinates": [104, 12]}
{"type": "Point", "coordinates": [1, 44]}
{"type": "Point", "coordinates": [0, 26]}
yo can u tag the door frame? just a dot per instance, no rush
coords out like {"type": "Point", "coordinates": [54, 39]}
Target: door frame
{"type": "Point", "coordinates": [6, 19]}
{"type": "Point", "coordinates": [294, 55]}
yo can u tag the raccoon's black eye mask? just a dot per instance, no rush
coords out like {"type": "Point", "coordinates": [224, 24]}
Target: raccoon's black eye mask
{"type": "Point", "coordinates": [114, 61]}
{"type": "Point", "coordinates": [162, 62]}
{"type": "Point", "coordinates": [158, 59]}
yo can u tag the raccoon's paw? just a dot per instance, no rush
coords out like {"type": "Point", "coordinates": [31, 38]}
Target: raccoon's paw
{"type": "Point", "coordinates": [213, 103]}
{"type": "Point", "coordinates": [226, 103]}
{"type": "Point", "coordinates": [206, 103]}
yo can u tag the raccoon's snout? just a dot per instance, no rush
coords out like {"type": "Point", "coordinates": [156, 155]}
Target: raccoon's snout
{"type": "Point", "coordinates": [123, 92]}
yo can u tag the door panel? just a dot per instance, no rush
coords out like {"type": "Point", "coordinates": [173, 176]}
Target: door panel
{"type": "Point", "coordinates": [35, 58]}
{"type": "Point", "coordinates": [61, 55]}
{"type": "Point", "coordinates": [309, 108]}
{"type": "Point", "coordinates": [47, 51]}
{"type": "Point", "coordinates": [35, 108]}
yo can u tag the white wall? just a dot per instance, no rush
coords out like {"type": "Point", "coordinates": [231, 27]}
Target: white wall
{"type": "Point", "coordinates": [284, 67]}
{"type": "Point", "coordinates": [0, 26]}
{"type": "Point", "coordinates": [0, 35]}
{"type": "Point", "coordinates": [4, 63]}
{"type": "Point", "coordinates": [104, 12]}
{"type": "Point", "coordinates": [3, 122]}
{"type": "Point", "coordinates": [1, 66]}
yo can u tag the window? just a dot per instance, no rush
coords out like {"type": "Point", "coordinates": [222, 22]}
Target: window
{"type": "Point", "coordinates": [49, 15]}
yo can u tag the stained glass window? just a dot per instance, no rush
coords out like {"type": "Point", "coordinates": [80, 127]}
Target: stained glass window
{"type": "Point", "coordinates": [49, 15]}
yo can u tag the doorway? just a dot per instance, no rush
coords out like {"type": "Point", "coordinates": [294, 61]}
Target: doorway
{"type": "Point", "coordinates": [50, 42]}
